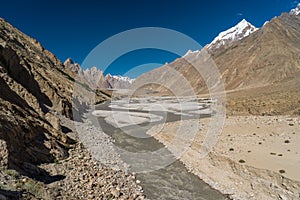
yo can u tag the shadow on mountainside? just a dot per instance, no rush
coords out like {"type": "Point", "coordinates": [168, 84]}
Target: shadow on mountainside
{"type": "Point", "coordinates": [22, 74]}
{"type": "Point", "coordinates": [11, 195]}
{"type": "Point", "coordinates": [28, 142]}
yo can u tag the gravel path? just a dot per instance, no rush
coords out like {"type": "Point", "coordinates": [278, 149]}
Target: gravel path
{"type": "Point", "coordinates": [93, 137]}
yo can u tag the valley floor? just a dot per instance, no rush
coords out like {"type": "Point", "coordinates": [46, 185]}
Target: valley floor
{"type": "Point", "coordinates": [256, 157]}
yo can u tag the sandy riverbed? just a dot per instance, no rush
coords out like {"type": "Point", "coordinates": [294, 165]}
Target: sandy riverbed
{"type": "Point", "coordinates": [255, 157]}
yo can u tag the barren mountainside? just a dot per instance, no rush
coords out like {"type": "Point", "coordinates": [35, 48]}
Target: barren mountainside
{"type": "Point", "coordinates": [269, 55]}
{"type": "Point", "coordinates": [52, 148]}
{"type": "Point", "coordinates": [267, 58]}
{"type": "Point", "coordinates": [35, 89]}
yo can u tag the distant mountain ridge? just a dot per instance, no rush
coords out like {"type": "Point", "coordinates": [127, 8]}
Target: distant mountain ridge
{"type": "Point", "coordinates": [95, 78]}
{"type": "Point", "coordinates": [264, 57]}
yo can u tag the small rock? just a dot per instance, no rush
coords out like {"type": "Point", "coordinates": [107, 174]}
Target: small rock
{"type": "Point", "coordinates": [2, 197]}
{"type": "Point", "coordinates": [115, 193]}
{"type": "Point", "coordinates": [282, 197]}
{"type": "Point", "coordinates": [133, 197]}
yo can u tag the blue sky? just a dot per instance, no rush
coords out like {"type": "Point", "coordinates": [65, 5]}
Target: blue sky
{"type": "Point", "coordinates": [74, 28]}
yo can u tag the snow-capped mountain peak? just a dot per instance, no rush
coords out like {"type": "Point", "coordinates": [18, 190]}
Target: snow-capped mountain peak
{"type": "Point", "coordinates": [295, 11]}
{"type": "Point", "coordinates": [120, 78]}
{"type": "Point", "coordinates": [190, 52]}
{"type": "Point", "coordinates": [238, 32]}
{"type": "Point", "coordinates": [95, 78]}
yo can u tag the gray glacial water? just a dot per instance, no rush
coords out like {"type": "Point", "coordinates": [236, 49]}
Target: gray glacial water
{"type": "Point", "coordinates": [173, 181]}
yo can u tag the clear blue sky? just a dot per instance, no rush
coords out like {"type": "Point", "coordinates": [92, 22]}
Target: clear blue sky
{"type": "Point", "coordinates": [74, 28]}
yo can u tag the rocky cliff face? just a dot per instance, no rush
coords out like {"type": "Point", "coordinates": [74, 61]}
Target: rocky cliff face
{"type": "Point", "coordinates": [35, 87]}
{"type": "Point", "coordinates": [40, 103]}
{"type": "Point", "coordinates": [95, 77]}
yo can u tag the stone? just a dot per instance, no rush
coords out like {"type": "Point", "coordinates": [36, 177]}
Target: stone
{"type": "Point", "coordinates": [133, 197]}
{"type": "Point", "coordinates": [2, 197]}
{"type": "Point", "coordinates": [53, 120]}
{"type": "Point", "coordinates": [115, 193]}
{"type": "Point", "coordinates": [3, 154]}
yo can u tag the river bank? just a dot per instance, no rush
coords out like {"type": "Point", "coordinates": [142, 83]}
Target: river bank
{"type": "Point", "coordinates": [255, 157]}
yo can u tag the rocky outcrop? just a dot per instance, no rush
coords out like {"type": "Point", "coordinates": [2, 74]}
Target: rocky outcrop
{"type": "Point", "coordinates": [30, 140]}
{"type": "Point", "coordinates": [95, 78]}
{"type": "Point", "coordinates": [82, 178]}
{"type": "Point", "coordinates": [35, 88]}
{"type": "Point", "coordinates": [41, 157]}
{"type": "Point", "coordinates": [3, 153]}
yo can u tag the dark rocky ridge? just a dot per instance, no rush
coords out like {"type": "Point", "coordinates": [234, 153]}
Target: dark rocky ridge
{"type": "Point", "coordinates": [29, 95]}
{"type": "Point", "coordinates": [35, 88]}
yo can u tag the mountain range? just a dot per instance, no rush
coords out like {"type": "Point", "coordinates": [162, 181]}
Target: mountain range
{"type": "Point", "coordinates": [248, 59]}
{"type": "Point", "coordinates": [259, 67]}
{"type": "Point", "coordinates": [96, 79]}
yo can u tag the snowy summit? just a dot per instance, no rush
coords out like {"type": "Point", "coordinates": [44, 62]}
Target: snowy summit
{"type": "Point", "coordinates": [120, 78]}
{"type": "Point", "coordinates": [238, 32]}
{"type": "Point", "coordinates": [295, 11]}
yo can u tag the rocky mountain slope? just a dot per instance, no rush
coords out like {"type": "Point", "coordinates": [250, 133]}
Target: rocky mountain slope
{"type": "Point", "coordinates": [34, 85]}
{"type": "Point", "coordinates": [267, 58]}
{"type": "Point", "coordinates": [96, 79]}
{"type": "Point", "coordinates": [41, 158]}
